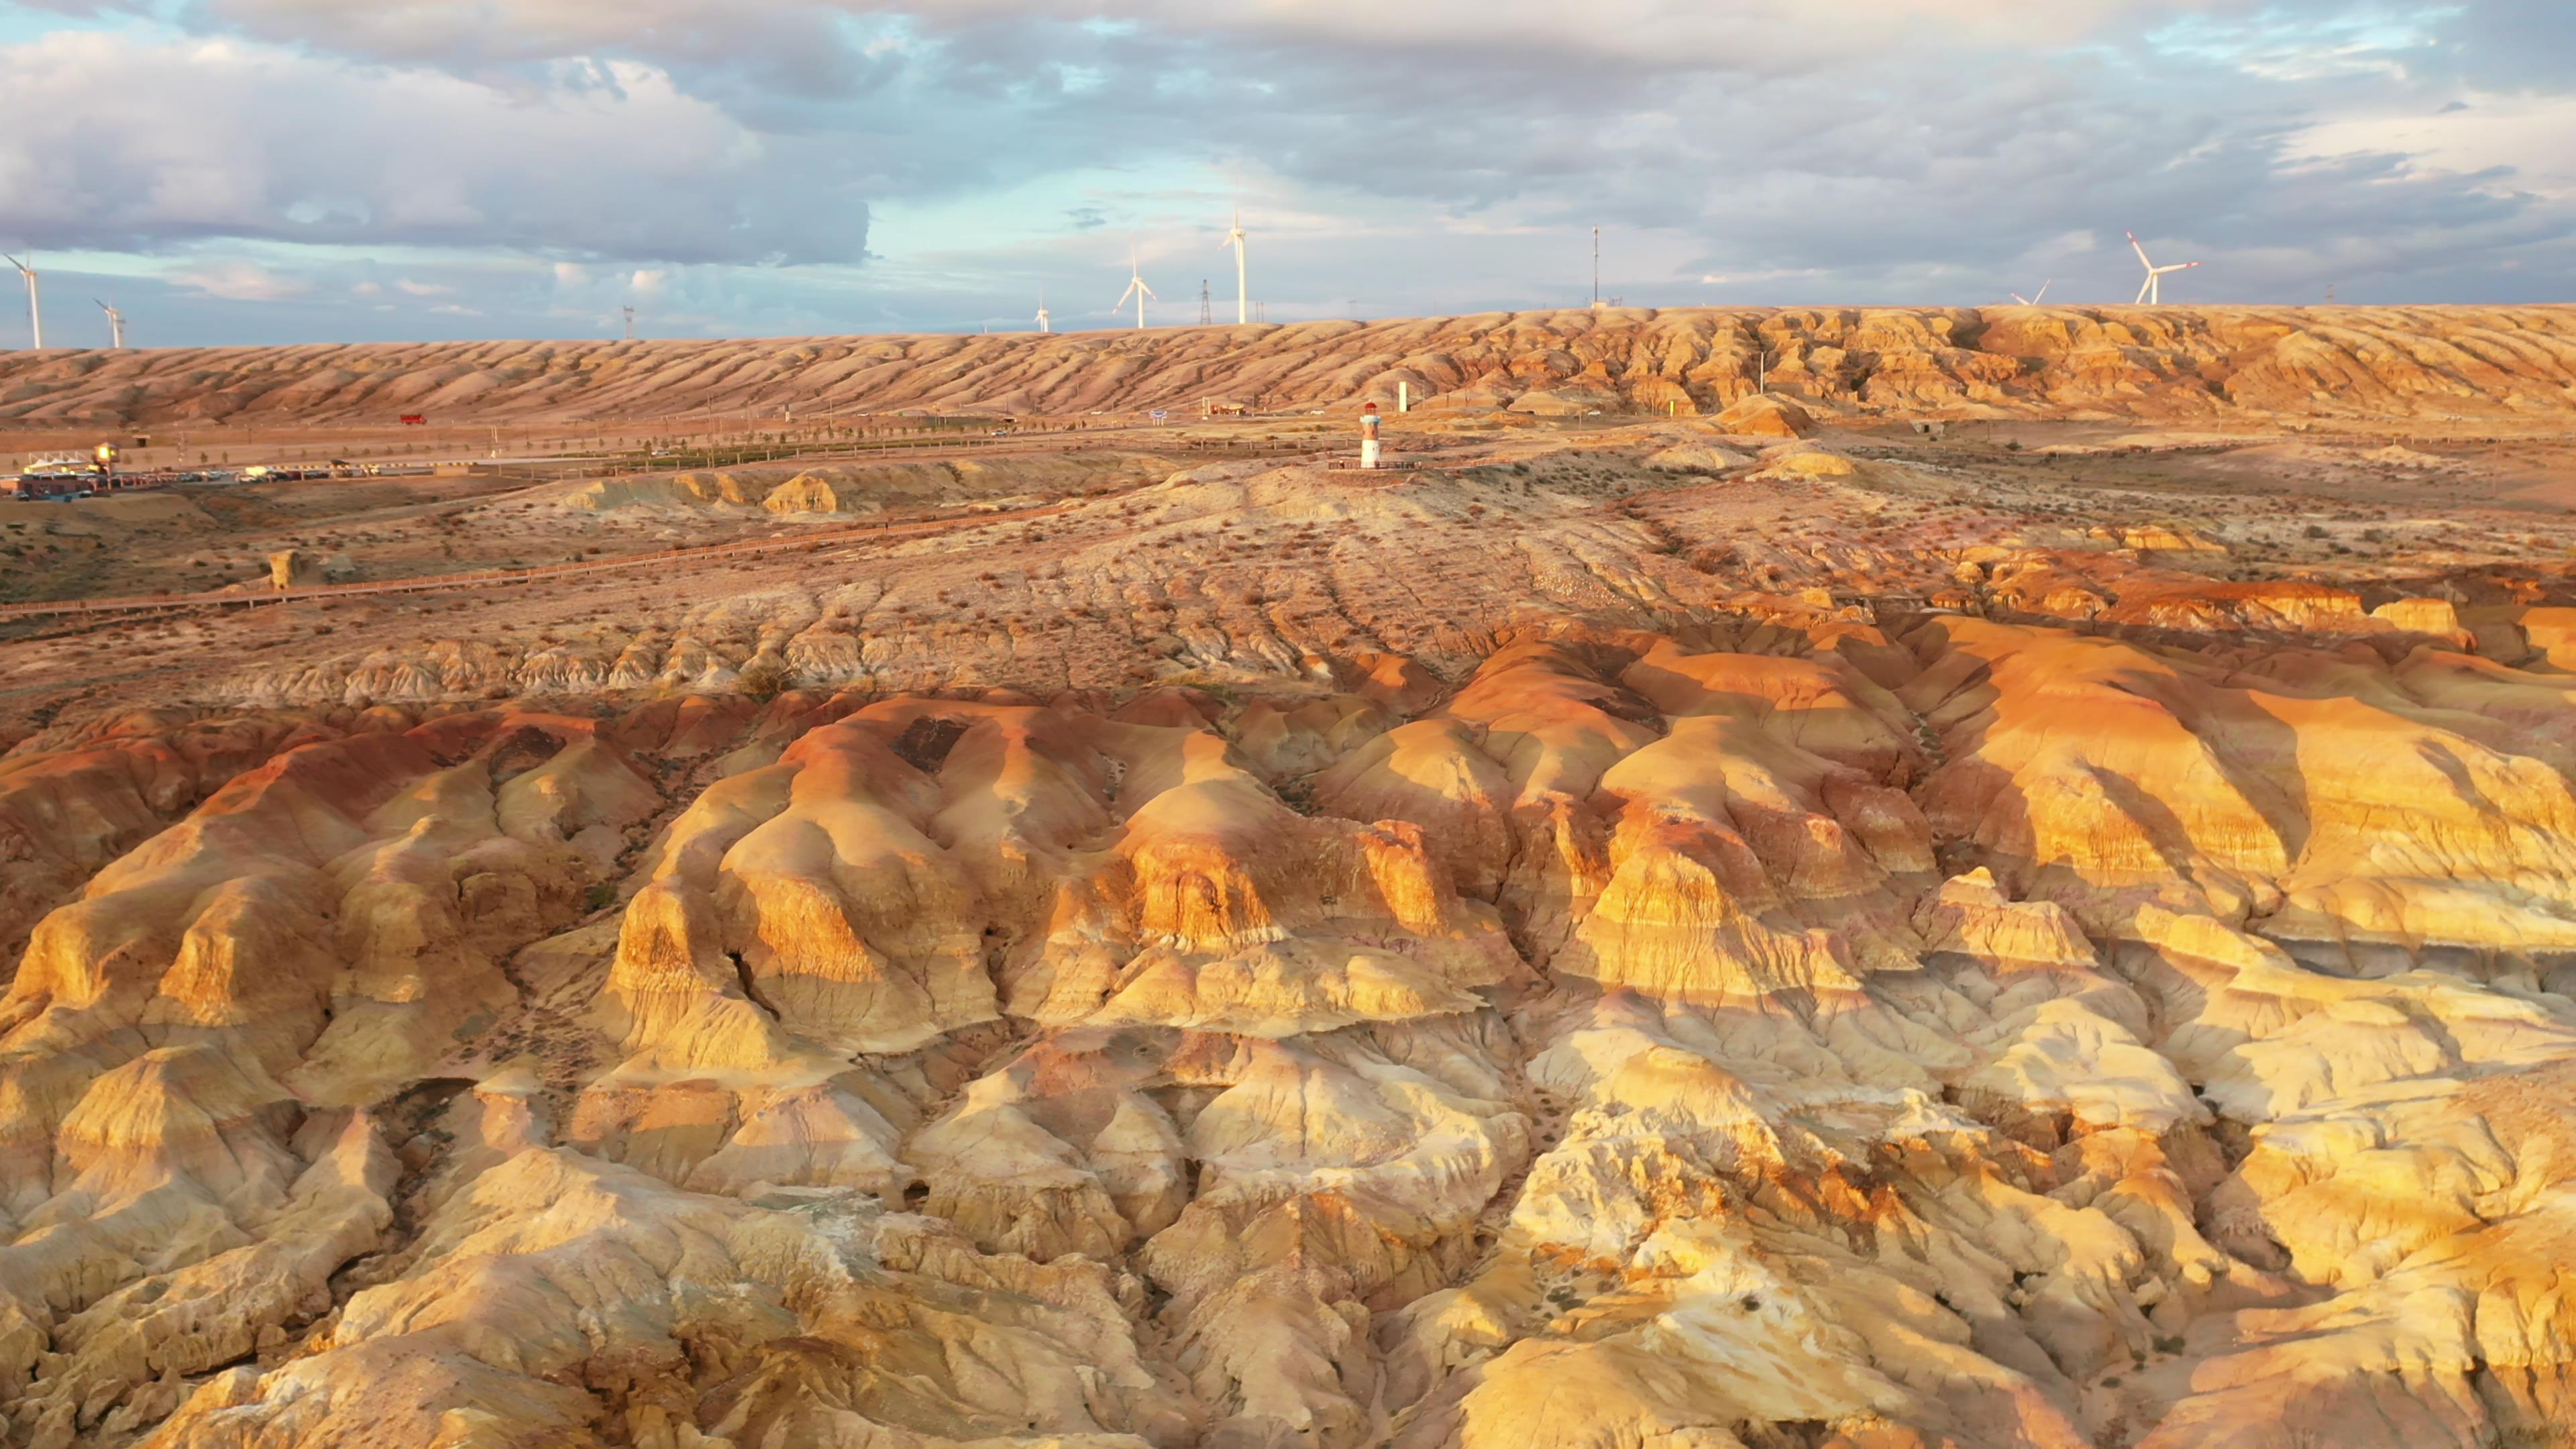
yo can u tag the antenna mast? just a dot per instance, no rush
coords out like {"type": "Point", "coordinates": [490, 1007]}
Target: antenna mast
{"type": "Point", "coordinates": [1206, 317]}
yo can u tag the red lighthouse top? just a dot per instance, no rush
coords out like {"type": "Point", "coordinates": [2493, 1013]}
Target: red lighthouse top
{"type": "Point", "coordinates": [1368, 407]}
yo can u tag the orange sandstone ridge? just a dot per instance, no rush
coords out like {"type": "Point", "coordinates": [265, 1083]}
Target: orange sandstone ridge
{"type": "Point", "coordinates": [2206, 364]}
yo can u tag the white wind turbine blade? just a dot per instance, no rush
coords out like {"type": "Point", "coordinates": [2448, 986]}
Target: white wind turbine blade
{"type": "Point", "coordinates": [1150, 292]}
{"type": "Point", "coordinates": [2140, 250]}
{"type": "Point", "coordinates": [2143, 289]}
{"type": "Point", "coordinates": [2043, 291]}
{"type": "Point", "coordinates": [35, 312]}
{"type": "Point", "coordinates": [2018, 297]}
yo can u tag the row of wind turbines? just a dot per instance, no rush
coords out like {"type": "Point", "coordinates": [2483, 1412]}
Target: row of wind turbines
{"type": "Point", "coordinates": [36, 308]}
{"type": "Point", "coordinates": [2150, 292]}
{"type": "Point", "coordinates": [1235, 237]}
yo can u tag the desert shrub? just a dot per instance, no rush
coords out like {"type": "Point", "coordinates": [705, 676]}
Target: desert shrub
{"type": "Point", "coordinates": [764, 679]}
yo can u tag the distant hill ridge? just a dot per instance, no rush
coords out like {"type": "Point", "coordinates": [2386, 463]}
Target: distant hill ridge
{"type": "Point", "coordinates": [2165, 363]}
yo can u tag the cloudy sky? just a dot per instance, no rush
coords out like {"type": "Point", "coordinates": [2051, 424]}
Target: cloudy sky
{"type": "Point", "coordinates": [288, 170]}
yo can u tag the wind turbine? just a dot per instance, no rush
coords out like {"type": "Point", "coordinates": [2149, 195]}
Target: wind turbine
{"type": "Point", "coordinates": [35, 313]}
{"type": "Point", "coordinates": [115, 324]}
{"type": "Point", "coordinates": [2150, 291]}
{"type": "Point", "coordinates": [1043, 324]}
{"type": "Point", "coordinates": [1136, 288]}
{"type": "Point", "coordinates": [2033, 299]}
{"type": "Point", "coordinates": [1242, 282]}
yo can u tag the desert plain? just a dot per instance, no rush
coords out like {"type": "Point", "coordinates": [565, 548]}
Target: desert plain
{"type": "Point", "coordinates": [1835, 878]}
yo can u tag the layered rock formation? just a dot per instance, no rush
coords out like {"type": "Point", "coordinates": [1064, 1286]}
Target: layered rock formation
{"type": "Point", "coordinates": [1944, 1031]}
{"type": "Point", "coordinates": [2204, 364]}
{"type": "Point", "coordinates": [1724, 932]}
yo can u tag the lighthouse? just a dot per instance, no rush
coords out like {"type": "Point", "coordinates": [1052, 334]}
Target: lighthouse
{"type": "Point", "coordinates": [1368, 436]}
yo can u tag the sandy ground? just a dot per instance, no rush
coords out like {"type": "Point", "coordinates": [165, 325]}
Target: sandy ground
{"type": "Point", "coordinates": [1268, 553]}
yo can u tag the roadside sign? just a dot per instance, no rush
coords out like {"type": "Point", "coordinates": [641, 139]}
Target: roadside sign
{"type": "Point", "coordinates": [1158, 415]}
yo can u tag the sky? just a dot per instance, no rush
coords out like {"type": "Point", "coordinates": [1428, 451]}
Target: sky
{"type": "Point", "coordinates": [259, 171]}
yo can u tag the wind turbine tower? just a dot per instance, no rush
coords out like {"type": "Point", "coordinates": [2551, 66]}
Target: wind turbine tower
{"type": "Point", "coordinates": [1242, 274]}
{"type": "Point", "coordinates": [35, 312]}
{"type": "Point", "coordinates": [1136, 288]}
{"type": "Point", "coordinates": [115, 325]}
{"type": "Point", "coordinates": [2151, 292]}
{"type": "Point", "coordinates": [1045, 323]}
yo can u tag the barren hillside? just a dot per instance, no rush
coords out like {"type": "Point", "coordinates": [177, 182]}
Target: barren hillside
{"type": "Point", "coordinates": [1654, 930]}
{"type": "Point", "coordinates": [2208, 364]}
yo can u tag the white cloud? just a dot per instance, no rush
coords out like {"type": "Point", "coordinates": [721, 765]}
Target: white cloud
{"type": "Point", "coordinates": [818, 41]}
{"type": "Point", "coordinates": [118, 138]}
{"type": "Point", "coordinates": [2528, 134]}
{"type": "Point", "coordinates": [237, 281]}
{"type": "Point", "coordinates": [422, 289]}
{"type": "Point", "coordinates": [546, 160]}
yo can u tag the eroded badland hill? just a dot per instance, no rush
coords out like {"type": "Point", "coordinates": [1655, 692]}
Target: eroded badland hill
{"type": "Point", "coordinates": [1662, 918]}
{"type": "Point", "coordinates": [2417, 363]}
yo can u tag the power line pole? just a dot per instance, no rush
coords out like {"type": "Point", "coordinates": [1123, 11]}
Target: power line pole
{"type": "Point", "coordinates": [1206, 317]}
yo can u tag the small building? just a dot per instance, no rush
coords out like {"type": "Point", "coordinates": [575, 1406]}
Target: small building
{"type": "Point", "coordinates": [1224, 408]}
{"type": "Point", "coordinates": [34, 486]}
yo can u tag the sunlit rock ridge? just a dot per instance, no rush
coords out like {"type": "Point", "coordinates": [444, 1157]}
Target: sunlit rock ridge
{"type": "Point", "coordinates": [2166, 362]}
